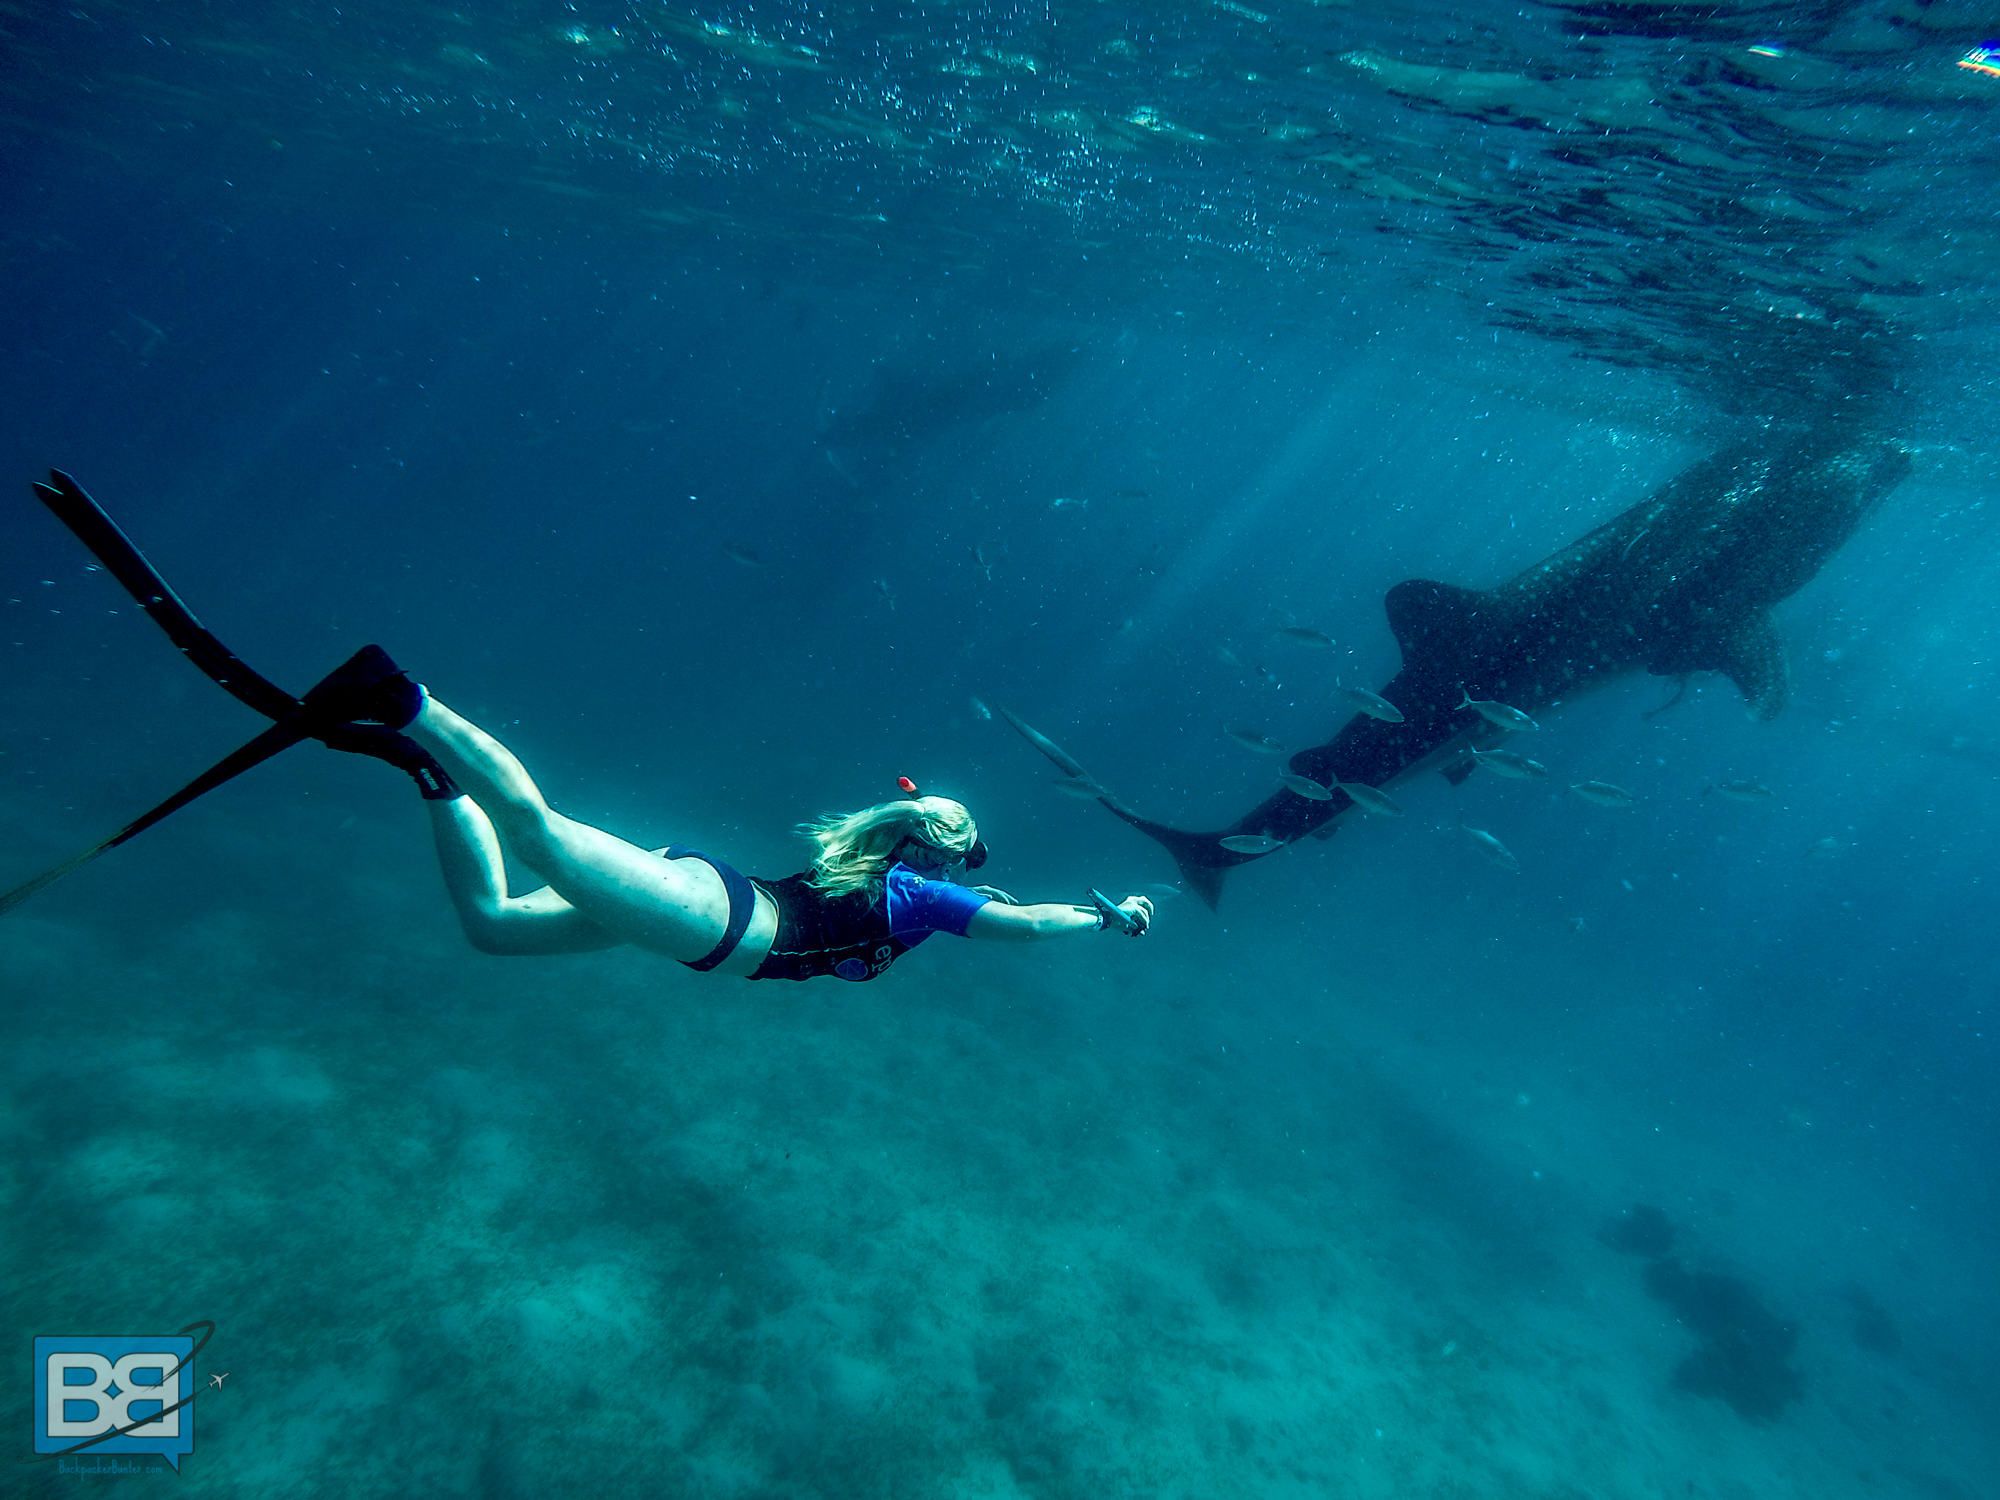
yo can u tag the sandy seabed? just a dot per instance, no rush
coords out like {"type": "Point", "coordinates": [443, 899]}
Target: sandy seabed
{"type": "Point", "coordinates": [1097, 1222]}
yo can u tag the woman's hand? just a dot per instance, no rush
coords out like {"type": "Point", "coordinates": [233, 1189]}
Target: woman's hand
{"type": "Point", "coordinates": [1140, 911]}
{"type": "Point", "coordinates": [994, 893]}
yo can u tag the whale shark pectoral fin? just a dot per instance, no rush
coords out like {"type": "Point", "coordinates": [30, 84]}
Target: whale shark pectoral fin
{"type": "Point", "coordinates": [1755, 662]}
{"type": "Point", "coordinates": [1429, 619]}
{"type": "Point", "coordinates": [1458, 770]}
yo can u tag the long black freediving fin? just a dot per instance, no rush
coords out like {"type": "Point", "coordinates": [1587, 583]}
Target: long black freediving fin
{"type": "Point", "coordinates": [318, 714]}
{"type": "Point", "coordinates": [66, 499]}
{"type": "Point", "coordinates": [296, 720]}
{"type": "Point", "coordinates": [281, 736]}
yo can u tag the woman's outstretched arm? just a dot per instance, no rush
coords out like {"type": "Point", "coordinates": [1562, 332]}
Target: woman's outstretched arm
{"type": "Point", "coordinates": [998, 922]}
{"type": "Point", "coordinates": [476, 877]}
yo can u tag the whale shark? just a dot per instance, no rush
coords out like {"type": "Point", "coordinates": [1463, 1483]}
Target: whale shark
{"type": "Point", "coordinates": [1683, 582]}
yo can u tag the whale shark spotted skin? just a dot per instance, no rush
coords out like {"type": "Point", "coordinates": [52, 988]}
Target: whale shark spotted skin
{"type": "Point", "coordinates": [1682, 582]}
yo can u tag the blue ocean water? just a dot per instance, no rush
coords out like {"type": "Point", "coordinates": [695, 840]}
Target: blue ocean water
{"type": "Point", "coordinates": [686, 395]}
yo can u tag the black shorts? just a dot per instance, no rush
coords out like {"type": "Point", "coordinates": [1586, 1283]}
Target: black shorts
{"type": "Point", "coordinates": [742, 905]}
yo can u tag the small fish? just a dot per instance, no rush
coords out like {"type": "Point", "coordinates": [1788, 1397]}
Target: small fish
{"type": "Point", "coordinates": [1826, 848]}
{"type": "Point", "coordinates": [1065, 502]}
{"type": "Point", "coordinates": [1259, 744]}
{"type": "Point", "coordinates": [841, 467]}
{"type": "Point", "coordinates": [743, 557]}
{"type": "Point", "coordinates": [1498, 713]}
{"type": "Point", "coordinates": [1603, 793]}
{"type": "Point", "coordinates": [1020, 62]}
{"type": "Point", "coordinates": [882, 588]}
{"type": "Point", "coordinates": [1364, 702]}
{"type": "Point", "coordinates": [1301, 636]}
{"type": "Point", "coordinates": [979, 709]}
{"type": "Point", "coordinates": [1080, 787]}
{"type": "Point", "coordinates": [1741, 791]}
{"type": "Point", "coordinates": [156, 336]}
{"type": "Point", "coordinates": [1306, 787]}
{"type": "Point", "coordinates": [1251, 843]}
{"type": "Point", "coordinates": [1506, 763]}
{"type": "Point", "coordinates": [1370, 799]}
{"type": "Point", "coordinates": [1227, 657]}
{"type": "Point", "coordinates": [1494, 851]}
{"type": "Point", "coordinates": [1043, 743]}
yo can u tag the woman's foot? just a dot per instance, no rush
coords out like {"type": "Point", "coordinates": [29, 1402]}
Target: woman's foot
{"type": "Point", "coordinates": [399, 750]}
{"type": "Point", "coordinates": [362, 704]}
{"type": "Point", "coordinates": [367, 688]}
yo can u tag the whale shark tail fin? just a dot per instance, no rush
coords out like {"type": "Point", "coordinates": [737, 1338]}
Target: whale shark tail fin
{"type": "Point", "coordinates": [1201, 858]}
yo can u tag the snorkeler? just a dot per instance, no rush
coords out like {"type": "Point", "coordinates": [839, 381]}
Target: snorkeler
{"type": "Point", "coordinates": [881, 884]}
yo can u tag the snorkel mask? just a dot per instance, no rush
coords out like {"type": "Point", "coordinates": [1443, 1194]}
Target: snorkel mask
{"type": "Point", "coordinates": [972, 858]}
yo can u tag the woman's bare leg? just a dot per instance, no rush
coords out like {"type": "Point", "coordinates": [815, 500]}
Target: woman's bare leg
{"type": "Point", "coordinates": [475, 875]}
{"type": "Point", "coordinates": [678, 908]}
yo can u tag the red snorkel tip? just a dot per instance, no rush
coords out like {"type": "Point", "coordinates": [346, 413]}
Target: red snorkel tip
{"type": "Point", "coordinates": [909, 787]}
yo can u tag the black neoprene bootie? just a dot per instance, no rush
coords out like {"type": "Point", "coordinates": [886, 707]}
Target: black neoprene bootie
{"type": "Point", "coordinates": [367, 688]}
{"type": "Point", "coordinates": [399, 750]}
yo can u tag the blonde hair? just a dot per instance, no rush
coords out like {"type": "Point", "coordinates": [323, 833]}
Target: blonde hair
{"type": "Point", "coordinates": [855, 849]}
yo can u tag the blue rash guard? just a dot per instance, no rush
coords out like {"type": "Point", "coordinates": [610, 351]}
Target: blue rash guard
{"type": "Point", "coordinates": [858, 936]}
{"type": "Point", "coordinates": [920, 907]}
